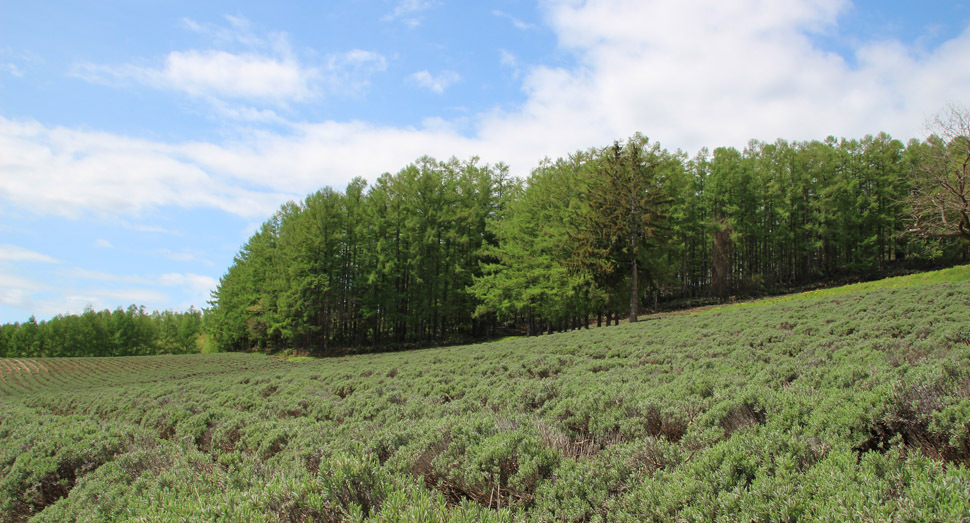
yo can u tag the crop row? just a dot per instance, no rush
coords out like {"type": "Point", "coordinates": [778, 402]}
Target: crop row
{"type": "Point", "coordinates": [846, 407]}
{"type": "Point", "coordinates": [28, 375]}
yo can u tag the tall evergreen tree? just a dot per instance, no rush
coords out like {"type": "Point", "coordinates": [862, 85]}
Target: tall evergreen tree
{"type": "Point", "coordinates": [630, 205]}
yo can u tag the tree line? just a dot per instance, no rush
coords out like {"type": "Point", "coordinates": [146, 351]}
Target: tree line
{"type": "Point", "coordinates": [446, 251]}
{"type": "Point", "coordinates": [122, 332]}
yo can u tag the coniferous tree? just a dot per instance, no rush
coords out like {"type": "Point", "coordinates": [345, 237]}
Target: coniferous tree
{"type": "Point", "coordinates": [630, 205]}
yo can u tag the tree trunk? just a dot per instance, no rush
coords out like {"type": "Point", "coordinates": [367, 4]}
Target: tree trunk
{"type": "Point", "coordinates": [634, 287]}
{"type": "Point", "coordinates": [721, 263]}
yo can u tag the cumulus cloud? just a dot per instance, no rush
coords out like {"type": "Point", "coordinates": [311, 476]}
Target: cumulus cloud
{"type": "Point", "coordinates": [216, 74]}
{"type": "Point", "coordinates": [266, 72]}
{"type": "Point", "coordinates": [246, 76]}
{"type": "Point", "coordinates": [436, 83]}
{"type": "Point", "coordinates": [710, 73]}
{"type": "Point", "coordinates": [69, 172]}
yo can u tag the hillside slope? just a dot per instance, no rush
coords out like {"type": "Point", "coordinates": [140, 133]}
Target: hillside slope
{"type": "Point", "coordinates": [848, 405]}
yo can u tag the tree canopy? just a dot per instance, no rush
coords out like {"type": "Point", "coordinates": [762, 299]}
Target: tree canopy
{"type": "Point", "coordinates": [443, 251]}
{"type": "Point", "coordinates": [447, 251]}
{"type": "Point", "coordinates": [121, 332]}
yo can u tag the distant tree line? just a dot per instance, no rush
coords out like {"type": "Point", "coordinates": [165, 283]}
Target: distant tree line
{"type": "Point", "coordinates": [444, 251]}
{"type": "Point", "coordinates": [122, 332]}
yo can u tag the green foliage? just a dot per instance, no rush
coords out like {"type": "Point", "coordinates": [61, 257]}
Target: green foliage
{"type": "Point", "coordinates": [953, 274]}
{"type": "Point", "coordinates": [442, 252]}
{"type": "Point", "coordinates": [851, 405]}
{"type": "Point", "coordinates": [122, 332]}
{"type": "Point", "coordinates": [575, 242]}
{"type": "Point", "coordinates": [390, 265]}
{"type": "Point", "coordinates": [531, 272]}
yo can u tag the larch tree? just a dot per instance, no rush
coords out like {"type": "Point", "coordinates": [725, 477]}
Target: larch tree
{"type": "Point", "coordinates": [629, 204]}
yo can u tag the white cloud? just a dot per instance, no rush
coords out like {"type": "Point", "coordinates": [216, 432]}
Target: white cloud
{"type": "Point", "coordinates": [68, 172]}
{"type": "Point", "coordinates": [710, 73]}
{"type": "Point", "coordinates": [516, 22]}
{"type": "Point", "coordinates": [19, 254]}
{"type": "Point", "coordinates": [12, 70]}
{"type": "Point", "coordinates": [267, 71]}
{"type": "Point", "coordinates": [244, 113]}
{"type": "Point", "coordinates": [221, 77]}
{"type": "Point", "coordinates": [239, 31]}
{"type": "Point", "coordinates": [103, 244]}
{"type": "Point", "coordinates": [18, 62]}
{"type": "Point", "coordinates": [147, 228]}
{"type": "Point", "coordinates": [434, 83]}
{"type": "Point", "coordinates": [197, 286]}
{"type": "Point", "coordinates": [193, 281]}
{"type": "Point", "coordinates": [16, 291]}
{"type": "Point", "coordinates": [328, 153]}
{"type": "Point", "coordinates": [241, 76]}
{"type": "Point", "coordinates": [84, 274]}
{"type": "Point", "coordinates": [216, 74]}
{"type": "Point", "coordinates": [407, 11]}
{"type": "Point", "coordinates": [350, 72]}
{"type": "Point", "coordinates": [13, 296]}
{"type": "Point", "coordinates": [184, 256]}
{"type": "Point", "coordinates": [508, 59]}
{"type": "Point", "coordinates": [38, 298]}
{"type": "Point", "coordinates": [74, 302]}
{"type": "Point", "coordinates": [115, 290]}
{"type": "Point", "coordinates": [688, 74]}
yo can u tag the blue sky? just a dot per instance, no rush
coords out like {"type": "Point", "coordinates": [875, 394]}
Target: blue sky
{"type": "Point", "coordinates": [141, 143]}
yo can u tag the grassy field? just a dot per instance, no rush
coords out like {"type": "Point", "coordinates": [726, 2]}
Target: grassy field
{"type": "Point", "coordinates": [845, 404]}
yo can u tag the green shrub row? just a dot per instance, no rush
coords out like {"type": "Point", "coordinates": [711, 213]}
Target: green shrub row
{"type": "Point", "coordinates": [853, 406]}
